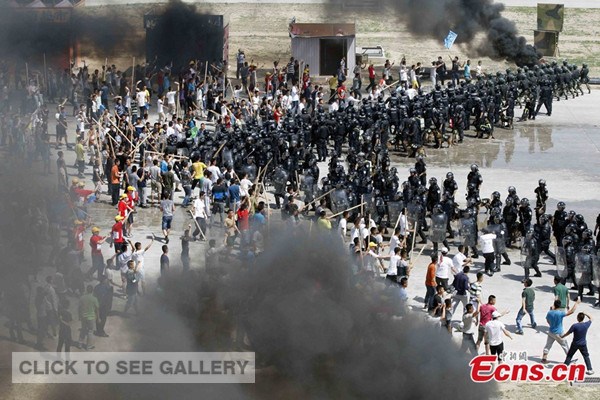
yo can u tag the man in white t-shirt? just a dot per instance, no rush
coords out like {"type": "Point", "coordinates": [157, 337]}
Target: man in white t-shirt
{"type": "Point", "coordinates": [493, 333]}
{"type": "Point", "coordinates": [487, 248]}
{"type": "Point", "coordinates": [444, 268]}
{"type": "Point", "coordinates": [141, 98]}
{"type": "Point", "coordinates": [199, 211]}
{"type": "Point", "coordinates": [171, 99]}
{"type": "Point", "coordinates": [138, 258]}
{"type": "Point", "coordinates": [392, 271]}
{"type": "Point", "coordinates": [245, 185]}
{"type": "Point", "coordinates": [160, 109]}
{"type": "Point", "coordinates": [469, 329]}
{"type": "Point", "coordinates": [343, 225]}
{"type": "Point", "coordinates": [460, 260]}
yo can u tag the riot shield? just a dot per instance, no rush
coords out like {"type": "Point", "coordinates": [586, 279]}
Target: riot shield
{"type": "Point", "coordinates": [413, 212]}
{"type": "Point", "coordinates": [369, 201]}
{"type": "Point", "coordinates": [561, 262]}
{"type": "Point", "coordinates": [251, 171]}
{"type": "Point", "coordinates": [308, 184]}
{"type": "Point", "coordinates": [525, 253]}
{"type": "Point", "coordinates": [394, 211]}
{"type": "Point", "coordinates": [467, 232]}
{"type": "Point", "coordinates": [339, 201]}
{"type": "Point", "coordinates": [583, 269]}
{"type": "Point", "coordinates": [227, 157]}
{"type": "Point", "coordinates": [525, 246]}
{"type": "Point", "coordinates": [500, 241]}
{"type": "Point", "coordinates": [280, 176]}
{"type": "Point", "coordinates": [596, 271]}
{"type": "Point", "coordinates": [438, 227]}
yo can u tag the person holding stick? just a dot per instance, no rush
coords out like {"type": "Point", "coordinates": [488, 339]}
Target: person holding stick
{"type": "Point", "coordinates": [200, 216]}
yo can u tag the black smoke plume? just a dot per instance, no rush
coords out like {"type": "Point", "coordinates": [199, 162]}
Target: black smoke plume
{"type": "Point", "coordinates": [25, 34]}
{"type": "Point", "coordinates": [318, 330]}
{"type": "Point", "coordinates": [467, 18]}
{"type": "Point", "coordinates": [181, 34]}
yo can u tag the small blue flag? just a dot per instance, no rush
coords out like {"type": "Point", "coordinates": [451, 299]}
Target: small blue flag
{"type": "Point", "coordinates": [449, 41]}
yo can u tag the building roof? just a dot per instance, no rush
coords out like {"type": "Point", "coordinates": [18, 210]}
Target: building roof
{"type": "Point", "coordinates": [321, 30]}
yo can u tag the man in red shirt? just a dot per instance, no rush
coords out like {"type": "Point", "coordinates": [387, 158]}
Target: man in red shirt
{"type": "Point", "coordinates": [96, 249]}
{"type": "Point", "coordinates": [371, 78]}
{"type": "Point", "coordinates": [117, 233]}
{"type": "Point", "coordinates": [485, 316]}
{"type": "Point", "coordinates": [125, 211]}
{"type": "Point", "coordinates": [131, 201]}
{"type": "Point", "coordinates": [430, 283]}
{"type": "Point", "coordinates": [243, 221]}
{"type": "Point", "coordinates": [78, 229]}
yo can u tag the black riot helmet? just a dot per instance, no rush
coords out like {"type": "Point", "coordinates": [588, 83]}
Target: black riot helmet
{"type": "Point", "coordinates": [567, 240]}
{"type": "Point", "coordinates": [542, 182]}
{"type": "Point", "coordinates": [474, 168]}
{"type": "Point", "coordinates": [496, 195]}
{"type": "Point", "coordinates": [449, 175]}
{"type": "Point", "coordinates": [524, 202]}
{"type": "Point", "coordinates": [432, 181]}
{"type": "Point", "coordinates": [561, 206]}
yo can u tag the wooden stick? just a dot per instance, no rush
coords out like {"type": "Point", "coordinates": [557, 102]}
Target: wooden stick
{"type": "Point", "coordinates": [390, 85]}
{"type": "Point", "coordinates": [418, 255]}
{"type": "Point", "coordinates": [318, 198]}
{"type": "Point", "coordinates": [166, 155]}
{"type": "Point", "coordinates": [412, 247]}
{"type": "Point", "coordinates": [205, 71]}
{"type": "Point", "coordinates": [398, 221]}
{"type": "Point", "coordinates": [219, 150]}
{"type": "Point", "coordinates": [132, 75]}
{"type": "Point", "coordinates": [46, 76]}
{"type": "Point", "coordinates": [134, 151]}
{"type": "Point", "coordinates": [348, 209]}
{"type": "Point", "coordinates": [197, 225]}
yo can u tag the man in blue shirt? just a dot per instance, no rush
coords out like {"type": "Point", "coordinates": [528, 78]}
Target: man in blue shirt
{"type": "Point", "coordinates": [579, 331]}
{"type": "Point", "coordinates": [234, 195]}
{"type": "Point", "coordinates": [554, 318]}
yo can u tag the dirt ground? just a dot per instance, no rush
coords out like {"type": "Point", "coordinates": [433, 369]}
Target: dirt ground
{"type": "Point", "coordinates": [261, 30]}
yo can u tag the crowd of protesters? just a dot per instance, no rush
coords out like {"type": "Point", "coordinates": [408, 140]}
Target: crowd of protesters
{"type": "Point", "coordinates": [132, 154]}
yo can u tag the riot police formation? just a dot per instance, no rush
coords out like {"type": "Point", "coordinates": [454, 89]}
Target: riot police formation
{"type": "Point", "coordinates": [356, 141]}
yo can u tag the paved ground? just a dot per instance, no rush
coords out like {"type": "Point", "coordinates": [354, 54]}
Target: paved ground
{"type": "Point", "coordinates": [563, 149]}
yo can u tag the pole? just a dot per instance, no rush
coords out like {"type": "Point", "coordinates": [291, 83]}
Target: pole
{"type": "Point", "coordinates": [26, 75]}
{"type": "Point", "coordinates": [412, 247]}
{"type": "Point", "coordinates": [348, 209]}
{"type": "Point", "coordinates": [197, 225]}
{"type": "Point", "coordinates": [132, 75]}
{"type": "Point", "coordinates": [318, 198]}
{"type": "Point", "coordinates": [46, 76]}
{"type": "Point", "coordinates": [205, 71]}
